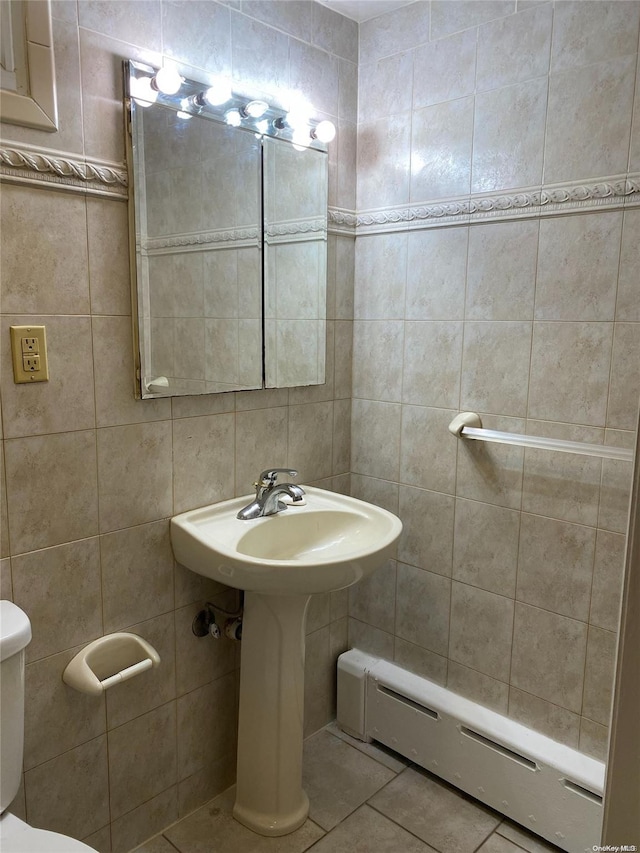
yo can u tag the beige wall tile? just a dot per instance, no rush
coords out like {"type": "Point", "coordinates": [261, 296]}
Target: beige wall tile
{"type": "Point", "coordinates": [594, 739]}
{"type": "Point", "coordinates": [341, 436]}
{"type": "Point", "coordinates": [485, 547]}
{"type": "Point", "coordinates": [134, 474]}
{"type": "Point", "coordinates": [6, 589]}
{"type": "Point", "coordinates": [333, 32]}
{"type": "Point", "coordinates": [422, 608]}
{"type": "Point", "coordinates": [369, 639]}
{"type": "Point", "coordinates": [377, 359]}
{"type": "Point", "coordinates": [555, 565]}
{"type": "Point", "coordinates": [508, 136]}
{"type": "Point", "coordinates": [218, 775]}
{"type": "Point", "coordinates": [345, 276]}
{"type": "Point", "coordinates": [200, 660]}
{"type": "Point", "coordinates": [449, 66]}
{"type": "Point", "coordinates": [140, 25]}
{"type": "Point", "coordinates": [589, 121]}
{"type": "Point", "coordinates": [577, 259]}
{"type": "Point", "coordinates": [387, 90]}
{"type": "Point", "coordinates": [373, 599]}
{"type": "Point", "coordinates": [432, 363]}
{"type": "Point", "coordinates": [206, 725]}
{"type": "Point", "coordinates": [393, 32]}
{"type": "Point", "coordinates": [66, 401]}
{"type": "Point", "coordinates": [202, 450]}
{"type": "Point", "coordinates": [343, 358]}
{"type": "Point", "coordinates": [319, 681]}
{"type": "Point", "coordinates": [446, 126]}
{"type": "Point", "coordinates": [583, 34]}
{"type": "Point", "coordinates": [310, 440]}
{"type": "Point", "coordinates": [145, 820]}
{"type": "Point", "coordinates": [70, 793]}
{"type": "Point", "coordinates": [318, 612]}
{"type": "Point", "coordinates": [634, 150]}
{"type": "Point", "coordinates": [380, 258]}
{"type": "Point", "coordinates": [428, 458]}
{"type": "Point", "coordinates": [436, 267]}
{"type": "Point", "coordinates": [481, 630]}
{"type": "Point", "coordinates": [5, 548]}
{"type": "Point", "coordinates": [137, 574]}
{"type": "Point", "coordinates": [108, 242]}
{"type": "Point", "coordinates": [551, 720]}
{"type": "Point", "coordinates": [142, 759]}
{"type": "Point", "coordinates": [599, 675]}
{"type": "Point", "coordinates": [501, 274]}
{"type": "Point", "coordinates": [57, 475]}
{"type": "Point", "coordinates": [624, 388]}
{"type": "Point", "coordinates": [59, 588]}
{"type": "Point", "coordinates": [541, 637]}
{"type": "Point", "coordinates": [152, 688]}
{"type": "Point", "coordinates": [478, 687]}
{"type": "Point", "coordinates": [259, 55]}
{"type": "Point", "coordinates": [426, 540]}
{"type": "Point", "coordinates": [515, 48]}
{"type": "Point", "coordinates": [627, 303]}
{"type": "Point", "coordinates": [608, 574]}
{"type": "Point", "coordinates": [450, 17]}
{"type": "Point", "coordinates": [420, 661]}
{"type": "Point", "coordinates": [375, 439]}
{"type": "Point", "coordinates": [495, 367]}
{"type": "Point", "coordinates": [383, 168]}
{"type": "Point", "coordinates": [578, 393]}
{"type": "Point", "coordinates": [44, 252]}
{"type": "Point", "coordinates": [378, 492]}
{"type": "Point", "coordinates": [57, 718]}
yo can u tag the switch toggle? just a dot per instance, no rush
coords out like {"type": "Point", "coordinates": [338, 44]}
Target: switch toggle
{"type": "Point", "coordinates": [29, 353]}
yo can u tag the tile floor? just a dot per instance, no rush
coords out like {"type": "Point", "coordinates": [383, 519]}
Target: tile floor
{"type": "Point", "coordinates": [363, 799]}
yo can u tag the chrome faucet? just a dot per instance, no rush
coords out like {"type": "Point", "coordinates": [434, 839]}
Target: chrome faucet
{"type": "Point", "coordinates": [268, 491]}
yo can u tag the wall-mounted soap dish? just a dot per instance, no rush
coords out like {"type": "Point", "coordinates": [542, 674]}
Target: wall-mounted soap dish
{"type": "Point", "coordinates": [108, 661]}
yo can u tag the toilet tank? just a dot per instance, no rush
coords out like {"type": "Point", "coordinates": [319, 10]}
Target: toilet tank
{"type": "Point", "coordinates": [15, 635]}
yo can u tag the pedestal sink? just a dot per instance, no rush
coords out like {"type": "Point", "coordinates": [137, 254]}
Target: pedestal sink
{"type": "Point", "coordinates": [330, 543]}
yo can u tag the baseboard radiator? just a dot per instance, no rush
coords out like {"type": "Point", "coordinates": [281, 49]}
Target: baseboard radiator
{"type": "Point", "coordinates": [550, 789]}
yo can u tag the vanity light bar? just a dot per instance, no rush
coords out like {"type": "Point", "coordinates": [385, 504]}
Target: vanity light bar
{"type": "Point", "coordinates": [165, 86]}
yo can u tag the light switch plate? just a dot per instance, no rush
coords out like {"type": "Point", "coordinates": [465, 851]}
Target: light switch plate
{"type": "Point", "coordinates": [29, 354]}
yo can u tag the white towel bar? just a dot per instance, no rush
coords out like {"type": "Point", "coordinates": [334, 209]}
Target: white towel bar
{"type": "Point", "coordinates": [469, 425]}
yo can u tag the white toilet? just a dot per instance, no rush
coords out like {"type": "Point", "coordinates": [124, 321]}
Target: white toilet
{"type": "Point", "coordinates": [16, 836]}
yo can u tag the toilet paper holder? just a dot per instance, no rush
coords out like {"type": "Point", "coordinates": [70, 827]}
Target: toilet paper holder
{"type": "Point", "coordinates": [108, 661]}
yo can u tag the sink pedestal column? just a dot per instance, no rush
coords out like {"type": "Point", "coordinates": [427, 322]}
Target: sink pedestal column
{"type": "Point", "coordinates": [269, 796]}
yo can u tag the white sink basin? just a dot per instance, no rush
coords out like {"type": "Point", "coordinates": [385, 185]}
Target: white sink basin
{"type": "Point", "coordinates": [331, 542]}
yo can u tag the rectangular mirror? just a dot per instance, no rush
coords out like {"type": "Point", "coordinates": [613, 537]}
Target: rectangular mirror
{"type": "Point", "coordinates": [229, 244]}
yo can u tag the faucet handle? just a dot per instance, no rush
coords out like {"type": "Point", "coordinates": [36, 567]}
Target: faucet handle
{"type": "Point", "coordinates": [269, 477]}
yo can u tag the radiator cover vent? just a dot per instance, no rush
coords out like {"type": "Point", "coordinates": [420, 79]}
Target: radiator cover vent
{"type": "Point", "coordinates": [550, 789]}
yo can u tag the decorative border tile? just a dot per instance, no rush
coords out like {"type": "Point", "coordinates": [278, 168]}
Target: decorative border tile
{"type": "Point", "coordinates": [33, 167]}
{"type": "Point", "coordinates": [44, 167]}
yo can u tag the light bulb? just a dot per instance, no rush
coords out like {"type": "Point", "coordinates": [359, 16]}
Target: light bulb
{"type": "Point", "coordinates": [167, 80]}
{"type": "Point", "coordinates": [233, 118]}
{"type": "Point", "coordinates": [219, 92]}
{"type": "Point", "coordinates": [324, 132]}
{"type": "Point", "coordinates": [262, 126]}
{"type": "Point", "coordinates": [143, 92]}
{"type": "Point", "coordinates": [181, 114]}
{"type": "Point", "coordinates": [255, 109]}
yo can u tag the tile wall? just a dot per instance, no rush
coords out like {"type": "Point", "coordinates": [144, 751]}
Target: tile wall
{"type": "Point", "coordinates": [92, 475]}
{"type": "Point", "coordinates": [507, 581]}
